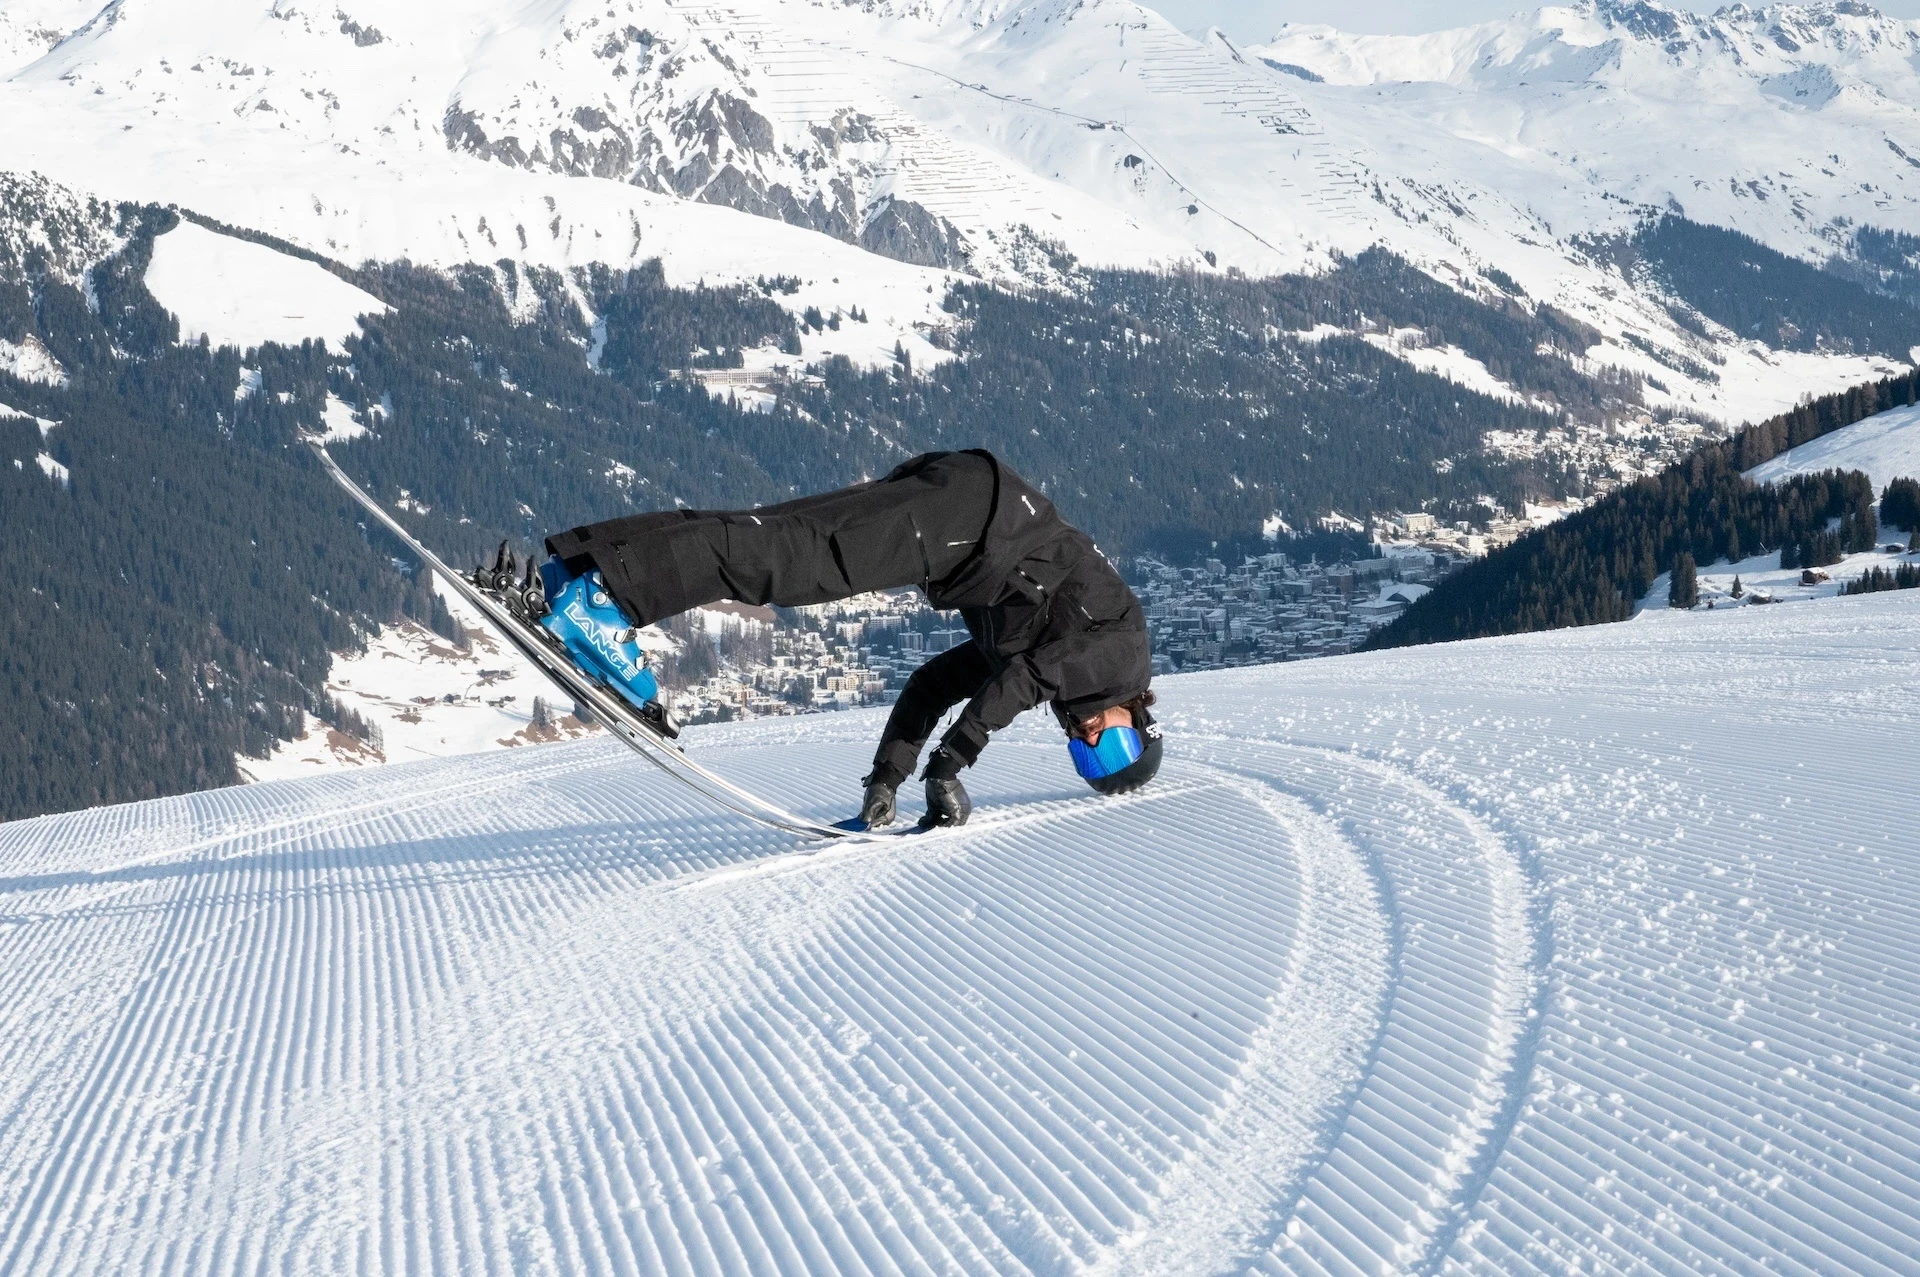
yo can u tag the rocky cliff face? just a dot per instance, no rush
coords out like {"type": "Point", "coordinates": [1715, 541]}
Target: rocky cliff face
{"type": "Point", "coordinates": [689, 107]}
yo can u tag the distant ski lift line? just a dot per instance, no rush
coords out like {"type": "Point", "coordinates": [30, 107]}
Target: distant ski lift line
{"type": "Point", "coordinates": [612, 714]}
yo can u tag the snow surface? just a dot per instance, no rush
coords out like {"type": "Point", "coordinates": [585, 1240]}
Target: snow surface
{"type": "Point", "coordinates": [337, 416]}
{"type": "Point", "coordinates": [1592, 950]}
{"type": "Point", "coordinates": [1449, 362]}
{"type": "Point", "coordinates": [1886, 446]}
{"type": "Point", "coordinates": [28, 28]}
{"type": "Point", "coordinates": [241, 294]}
{"type": "Point", "coordinates": [1763, 581]}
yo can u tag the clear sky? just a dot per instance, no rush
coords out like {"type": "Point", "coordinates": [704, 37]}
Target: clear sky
{"type": "Point", "coordinates": [1258, 19]}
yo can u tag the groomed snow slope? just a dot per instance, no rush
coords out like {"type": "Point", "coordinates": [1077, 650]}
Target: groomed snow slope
{"type": "Point", "coordinates": [240, 294]}
{"type": "Point", "coordinates": [1886, 446]}
{"type": "Point", "coordinates": [1584, 951]}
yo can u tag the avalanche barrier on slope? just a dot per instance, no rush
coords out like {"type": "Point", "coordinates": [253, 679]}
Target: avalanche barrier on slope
{"type": "Point", "coordinates": [1589, 950]}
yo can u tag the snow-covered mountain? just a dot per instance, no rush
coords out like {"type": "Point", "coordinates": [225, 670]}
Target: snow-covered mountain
{"type": "Point", "coordinates": [1792, 123]}
{"type": "Point", "coordinates": [855, 162]}
{"type": "Point", "coordinates": [1589, 951]}
{"type": "Point", "coordinates": [975, 135]}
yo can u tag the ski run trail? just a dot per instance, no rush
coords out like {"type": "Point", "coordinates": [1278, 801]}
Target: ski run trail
{"type": "Point", "coordinates": [1594, 951]}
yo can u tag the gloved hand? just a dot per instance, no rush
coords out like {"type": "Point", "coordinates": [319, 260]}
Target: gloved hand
{"type": "Point", "coordinates": [877, 809]}
{"type": "Point", "coordinates": [947, 801]}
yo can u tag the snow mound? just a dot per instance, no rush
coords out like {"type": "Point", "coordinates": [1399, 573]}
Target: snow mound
{"type": "Point", "coordinates": [1886, 446]}
{"type": "Point", "coordinates": [1589, 950]}
{"type": "Point", "coordinates": [237, 293]}
{"type": "Point", "coordinates": [30, 360]}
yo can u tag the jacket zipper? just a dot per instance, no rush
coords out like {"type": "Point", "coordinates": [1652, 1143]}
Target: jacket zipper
{"type": "Point", "coordinates": [926, 564]}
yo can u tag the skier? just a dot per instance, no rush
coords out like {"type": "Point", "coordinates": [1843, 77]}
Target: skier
{"type": "Point", "coordinates": [1050, 620]}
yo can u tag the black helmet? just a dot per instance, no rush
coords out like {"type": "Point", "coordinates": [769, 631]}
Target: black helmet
{"type": "Point", "coordinates": [1140, 770]}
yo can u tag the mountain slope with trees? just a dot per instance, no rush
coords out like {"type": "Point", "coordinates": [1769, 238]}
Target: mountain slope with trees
{"type": "Point", "coordinates": [1594, 566]}
{"type": "Point", "coordinates": [215, 572]}
{"type": "Point", "coordinates": [180, 590]}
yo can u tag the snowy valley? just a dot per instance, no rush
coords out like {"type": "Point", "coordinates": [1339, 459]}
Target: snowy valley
{"type": "Point", "coordinates": [1436, 248]}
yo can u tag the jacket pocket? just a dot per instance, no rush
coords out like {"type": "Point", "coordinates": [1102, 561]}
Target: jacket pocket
{"type": "Point", "coordinates": [1100, 604]}
{"type": "Point", "coordinates": [882, 553]}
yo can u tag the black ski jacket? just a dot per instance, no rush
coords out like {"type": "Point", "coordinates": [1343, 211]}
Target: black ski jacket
{"type": "Point", "coordinates": [1051, 623]}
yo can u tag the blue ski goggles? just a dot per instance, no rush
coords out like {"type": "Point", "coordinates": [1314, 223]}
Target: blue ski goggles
{"type": "Point", "coordinates": [1117, 749]}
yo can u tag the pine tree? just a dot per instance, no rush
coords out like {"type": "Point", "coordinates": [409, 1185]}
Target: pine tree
{"type": "Point", "coordinates": [1684, 592]}
{"type": "Point", "coordinates": [1900, 506]}
{"type": "Point", "coordinates": [1739, 590]}
{"type": "Point", "coordinates": [542, 716]}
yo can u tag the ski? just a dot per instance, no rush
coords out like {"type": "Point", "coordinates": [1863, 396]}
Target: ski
{"type": "Point", "coordinates": [855, 825]}
{"type": "Point", "coordinates": [495, 595]}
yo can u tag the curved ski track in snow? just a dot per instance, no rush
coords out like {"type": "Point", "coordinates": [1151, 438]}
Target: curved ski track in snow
{"type": "Point", "coordinates": [1581, 951]}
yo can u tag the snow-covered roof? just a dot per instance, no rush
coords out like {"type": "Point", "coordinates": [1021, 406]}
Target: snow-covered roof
{"type": "Point", "coordinates": [1404, 592]}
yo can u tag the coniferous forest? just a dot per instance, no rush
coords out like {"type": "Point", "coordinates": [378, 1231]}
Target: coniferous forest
{"type": "Point", "coordinates": [1740, 283]}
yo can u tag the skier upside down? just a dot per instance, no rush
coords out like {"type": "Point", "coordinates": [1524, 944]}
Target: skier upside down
{"type": "Point", "coordinates": [1050, 621]}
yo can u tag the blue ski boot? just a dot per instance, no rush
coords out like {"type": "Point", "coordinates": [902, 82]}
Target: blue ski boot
{"type": "Point", "coordinates": [601, 641]}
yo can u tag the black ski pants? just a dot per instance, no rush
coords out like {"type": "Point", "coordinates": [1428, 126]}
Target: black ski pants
{"type": "Point", "coordinates": [907, 529]}
{"type": "Point", "coordinates": [955, 675]}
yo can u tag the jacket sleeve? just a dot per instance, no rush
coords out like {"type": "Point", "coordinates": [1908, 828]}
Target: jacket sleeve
{"type": "Point", "coordinates": [1027, 680]}
{"type": "Point", "coordinates": [1098, 668]}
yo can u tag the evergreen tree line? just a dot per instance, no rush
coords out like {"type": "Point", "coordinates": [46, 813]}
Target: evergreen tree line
{"type": "Point", "coordinates": [1593, 566]}
{"type": "Point", "coordinates": [1191, 428]}
{"type": "Point", "coordinates": [1876, 580]}
{"type": "Point", "coordinates": [1857, 533]}
{"type": "Point", "coordinates": [1683, 589]}
{"type": "Point", "coordinates": [1884, 261]}
{"type": "Point", "coordinates": [1161, 412]}
{"type": "Point", "coordinates": [1900, 504]}
{"type": "Point", "coordinates": [175, 603]}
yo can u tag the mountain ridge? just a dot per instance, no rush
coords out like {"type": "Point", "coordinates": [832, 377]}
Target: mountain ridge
{"type": "Point", "coordinates": [891, 146]}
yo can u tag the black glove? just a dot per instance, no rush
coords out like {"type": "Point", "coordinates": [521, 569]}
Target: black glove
{"type": "Point", "coordinates": [947, 801]}
{"type": "Point", "coordinates": [876, 809]}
